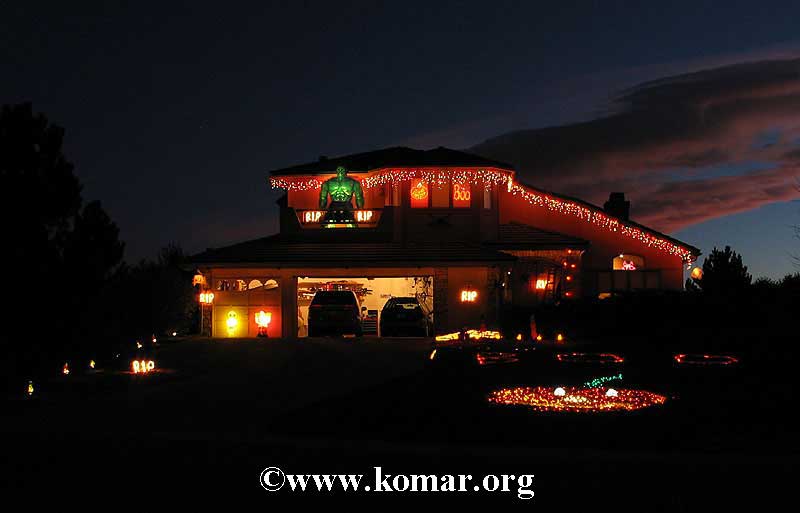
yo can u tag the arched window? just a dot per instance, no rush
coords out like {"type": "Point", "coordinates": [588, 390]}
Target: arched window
{"type": "Point", "coordinates": [627, 262]}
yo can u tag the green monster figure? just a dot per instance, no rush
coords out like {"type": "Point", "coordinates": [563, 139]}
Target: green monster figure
{"type": "Point", "coordinates": [341, 189]}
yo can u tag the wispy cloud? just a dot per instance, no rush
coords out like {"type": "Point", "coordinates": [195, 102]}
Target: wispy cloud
{"type": "Point", "coordinates": [662, 137]}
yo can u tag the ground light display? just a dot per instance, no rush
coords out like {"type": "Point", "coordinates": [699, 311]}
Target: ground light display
{"type": "Point", "coordinates": [573, 399]}
{"type": "Point", "coordinates": [589, 358]}
{"type": "Point", "coordinates": [469, 335]}
{"type": "Point", "coordinates": [705, 360]}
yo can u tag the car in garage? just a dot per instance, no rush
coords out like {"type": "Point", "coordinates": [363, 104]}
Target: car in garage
{"type": "Point", "coordinates": [405, 317]}
{"type": "Point", "coordinates": [334, 312]}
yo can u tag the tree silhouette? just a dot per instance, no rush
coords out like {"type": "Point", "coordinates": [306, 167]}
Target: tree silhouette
{"type": "Point", "coordinates": [723, 273]}
{"type": "Point", "coordinates": [57, 253]}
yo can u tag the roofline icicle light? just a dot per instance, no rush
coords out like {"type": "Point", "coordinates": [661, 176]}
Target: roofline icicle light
{"type": "Point", "coordinates": [601, 220]}
{"type": "Point", "coordinates": [380, 177]}
{"type": "Point", "coordinates": [440, 176]}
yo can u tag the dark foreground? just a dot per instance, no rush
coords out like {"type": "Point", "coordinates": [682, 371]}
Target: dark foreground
{"type": "Point", "coordinates": [222, 411]}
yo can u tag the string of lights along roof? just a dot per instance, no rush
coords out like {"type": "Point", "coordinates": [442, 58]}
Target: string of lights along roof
{"type": "Point", "coordinates": [497, 176]}
{"type": "Point", "coordinates": [435, 176]}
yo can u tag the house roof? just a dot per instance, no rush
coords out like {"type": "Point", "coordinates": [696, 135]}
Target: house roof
{"type": "Point", "coordinates": [523, 236]}
{"type": "Point", "coordinates": [692, 249]}
{"type": "Point", "coordinates": [277, 252]}
{"type": "Point", "coordinates": [397, 156]}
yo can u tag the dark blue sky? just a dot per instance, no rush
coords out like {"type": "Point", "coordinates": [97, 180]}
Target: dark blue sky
{"type": "Point", "coordinates": [175, 113]}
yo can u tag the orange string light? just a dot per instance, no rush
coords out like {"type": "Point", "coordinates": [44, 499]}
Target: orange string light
{"type": "Point", "coordinates": [572, 399]}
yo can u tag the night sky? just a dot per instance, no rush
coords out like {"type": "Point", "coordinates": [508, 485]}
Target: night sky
{"type": "Point", "coordinates": [175, 113]}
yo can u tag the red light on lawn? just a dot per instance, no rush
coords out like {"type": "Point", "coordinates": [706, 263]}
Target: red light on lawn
{"type": "Point", "coordinates": [589, 358]}
{"type": "Point", "coordinates": [705, 359]}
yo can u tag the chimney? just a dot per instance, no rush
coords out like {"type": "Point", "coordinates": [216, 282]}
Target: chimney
{"type": "Point", "coordinates": [617, 206]}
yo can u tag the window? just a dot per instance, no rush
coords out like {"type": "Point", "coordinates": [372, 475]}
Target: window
{"type": "Point", "coordinates": [440, 195]}
{"type": "Point", "coordinates": [625, 262]}
{"type": "Point", "coordinates": [419, 193]}
{"type": "Point", "coordinates": [462, 195]}
{"type": "Point", "coordinates": [611, 281]}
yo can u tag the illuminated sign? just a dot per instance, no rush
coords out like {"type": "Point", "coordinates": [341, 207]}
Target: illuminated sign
{"type": "Point", "coordinates": [142, 366]}
{"type": "Point", "coordinates": [461, 195]}
{"type": "Point", "coordinates": [469, 296]}
{"type": "Point", "coordinates": [541, 284]}
{"type": "Point", "coordinates": [364, 216]}
{"type": "Point", "coordinates": [627, 265]}
{"type": "Point", "coordinates": [206, 297]}
{"type": "Point", "coordinates": [313, 218]}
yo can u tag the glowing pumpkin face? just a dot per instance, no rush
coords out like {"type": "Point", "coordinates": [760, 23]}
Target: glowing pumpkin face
{"type": "Point", "coordinates": [419, 191]}
{"type": "Point", "coordinates": [419, 194]}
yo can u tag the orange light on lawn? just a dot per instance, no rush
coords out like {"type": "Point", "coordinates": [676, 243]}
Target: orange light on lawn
{"type": "Point", "coordinates": [574, 399]}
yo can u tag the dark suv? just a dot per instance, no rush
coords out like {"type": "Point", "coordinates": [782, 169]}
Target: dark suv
{"type": "Point", "coordinates": [334, 312]}
{"type": "Point", "coordinates": [405, 317]}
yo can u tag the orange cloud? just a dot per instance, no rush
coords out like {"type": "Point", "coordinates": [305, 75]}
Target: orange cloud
{"type": "Point", "coordinates": [665, 135]}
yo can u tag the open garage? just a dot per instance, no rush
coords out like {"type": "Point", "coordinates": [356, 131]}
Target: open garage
{"type": "Point", "coordinates": [372, 294]}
